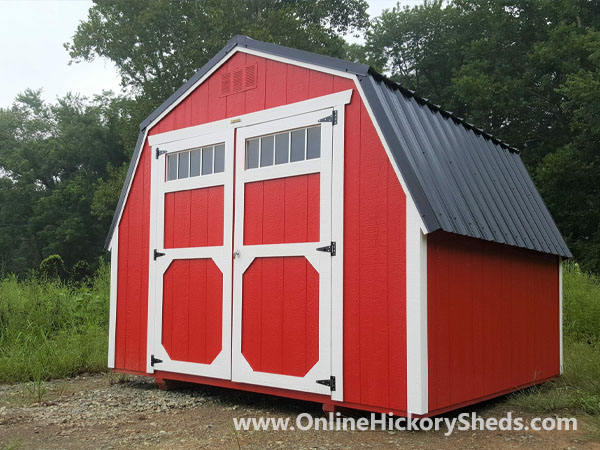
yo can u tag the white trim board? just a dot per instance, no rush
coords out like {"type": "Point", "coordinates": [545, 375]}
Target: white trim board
{"type": "Point", "coordinates": [416, 315]}
{"type": "Point", "coordinates": [560, 313]}
{"type": "Point", "coordinates": [416, 286]}
{"type": "Point", "coordinates": [112, 318]}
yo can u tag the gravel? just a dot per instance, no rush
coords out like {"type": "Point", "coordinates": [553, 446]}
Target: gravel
{"type": "Point", "coordinates": [112, 411]}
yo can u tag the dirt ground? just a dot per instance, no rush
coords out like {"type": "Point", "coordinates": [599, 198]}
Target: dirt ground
{"type": "Point", "coordinates": [106, 411]}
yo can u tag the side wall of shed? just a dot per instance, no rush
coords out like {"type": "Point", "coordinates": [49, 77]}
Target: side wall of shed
{"type": "Point", "coordinates": [493, 319]}
{"type": "Point", "coordinates": [374, 231]}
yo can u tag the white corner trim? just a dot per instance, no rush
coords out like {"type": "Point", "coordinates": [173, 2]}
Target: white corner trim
{"type": "Point", "coordinates": [254, 118]}
{"type": "Point", "coordinates": [112, 319]}
{"type": "Point", "coordinates": [560, 313]}
{"type": "Point", "coordinates": [416, 315]}
{"type": "Point", "coordinates": [416, 287]}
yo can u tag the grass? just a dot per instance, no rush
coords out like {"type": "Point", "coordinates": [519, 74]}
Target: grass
{"type": "Point", "coordinates": [578, 389]}
{"type": "Point", "coordinates": [52, 329]}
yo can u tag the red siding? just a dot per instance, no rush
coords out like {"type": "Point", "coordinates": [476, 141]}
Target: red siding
{"type": "Point", "coordinates": [283, 210]}
{"type": "Point", "coordinates": [132, 278]}
{"type": "Point", "coordinates": [194, 218]}
{"type": "Point", "coordinates": [374, 231]}
{"type": "Point", "coordinates": [374, 269]}
{"type": "Point", "coordinates": [280, 317]}
{"type": "Point", "coordinates": [492, 318]}
{"type": "Point", "coordinates": [192, 310]}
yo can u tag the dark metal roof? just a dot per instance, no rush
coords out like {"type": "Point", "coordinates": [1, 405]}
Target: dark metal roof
{"type": "Point", "coordinates": [461, 179]}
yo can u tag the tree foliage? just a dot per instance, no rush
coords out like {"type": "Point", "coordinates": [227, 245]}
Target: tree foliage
{"type": "Point", "coordinates": [159, 44]}
{"type": "Point", "coordinates": [527, 71]}
{"type": "Point", "coordinates": [53, 158]}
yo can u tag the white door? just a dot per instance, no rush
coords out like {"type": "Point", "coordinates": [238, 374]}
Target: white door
{"type": "Point", "coordinates": [192, 195]}
{"type": "Point", "coordinates": [282, 254]}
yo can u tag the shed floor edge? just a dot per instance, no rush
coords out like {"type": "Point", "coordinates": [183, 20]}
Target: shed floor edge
{"type": "Point", "coordinates": [160, 375]}
{"type": "Point", "coordinates": [326, 401]}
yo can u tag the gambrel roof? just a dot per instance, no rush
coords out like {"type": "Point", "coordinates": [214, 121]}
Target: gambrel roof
{"type": "Point", "coordinates": [461, 179]}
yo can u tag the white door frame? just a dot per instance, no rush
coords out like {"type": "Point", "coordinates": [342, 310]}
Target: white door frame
{"type": "Point", "coordinates": [337, 101]}
{"type": "Point", "coordinates": [322, 262]}
{"type": "Point", "coordinates": [220, 367]}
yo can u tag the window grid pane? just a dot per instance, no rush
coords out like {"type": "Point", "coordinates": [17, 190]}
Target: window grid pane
{"type": "Point", "coordinates": [252, 153]}
{"type": "Point", "coordinates": [196, 162]}
{"type": "Point", "coordinates": [207, 160]}
{"type": "Point", "coordinates": [171, 167]}
{"type": "Point", "coordinates": [183, 166]}
{"type": "Point", "coordinates": [266, 151]}
{"type": "Point", "coordinates": [282, 148]}
{"type": "Point", "coordinates": [219, 158]}
{"type": "Point", "coordinates": [313, 143]}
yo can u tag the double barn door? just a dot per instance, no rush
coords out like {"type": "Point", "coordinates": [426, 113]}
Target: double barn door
{"type": "Point", "coordinates": [241, 253]}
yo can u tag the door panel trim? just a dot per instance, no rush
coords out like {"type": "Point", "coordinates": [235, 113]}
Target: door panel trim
{"type": "Point", "coordinates": [321, 262]}
{"type": "Point", "coordinates": [181, 139]}
{"type": "Point", "coordinates": [221, 255]}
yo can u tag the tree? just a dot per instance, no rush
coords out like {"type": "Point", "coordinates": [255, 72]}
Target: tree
{"type": "Point", "coordinates": [528, 72]}
{"type": "Point", "coordinates": [158, 44]}
{"type": "Point", "coordinates": [52, 159]}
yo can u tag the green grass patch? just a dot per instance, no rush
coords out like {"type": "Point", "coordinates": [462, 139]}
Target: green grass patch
{"type": "Point", "coordinates": [52, 329]}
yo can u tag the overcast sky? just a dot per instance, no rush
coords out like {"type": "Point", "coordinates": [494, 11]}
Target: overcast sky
{"type": "Point", "coordinates": [32, 34]}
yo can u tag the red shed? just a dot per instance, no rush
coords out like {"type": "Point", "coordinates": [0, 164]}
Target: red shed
{"type": "Point", "coordinates": [298, 225]}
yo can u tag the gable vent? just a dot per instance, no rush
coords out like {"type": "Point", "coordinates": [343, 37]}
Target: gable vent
{"type": "Point", "coordinates": [250, 81]}
{"type": "Point", "coordinates": [238, 80]}
{"type": "Point", "coordinates": [238, 75]}
{"type": "Point", "coordinates": [225, 84]}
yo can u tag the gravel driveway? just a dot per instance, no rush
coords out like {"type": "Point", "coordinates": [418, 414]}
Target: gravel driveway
{"type": "Point", "coordinates": [110, 411]}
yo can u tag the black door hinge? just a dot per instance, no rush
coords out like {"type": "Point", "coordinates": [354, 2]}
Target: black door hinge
{"type": "Point", "coordinates": [328, 248]}
{"type": "Point", "coordinates": [154, 360]}
{"type": "Point", "coordinates": [332, 118]}
{"type": "Point", "coordinates": [157, 254]}
{"type": "Point", "coordinates": [330, 382]}
{"type": "Point", "coordinates": [160, 152]}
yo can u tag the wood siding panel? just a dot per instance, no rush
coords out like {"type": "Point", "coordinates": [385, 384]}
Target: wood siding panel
{"type": "Point", "coordinates": [492, 318]}
{"type": "Point", "coordinates": [283, 210]}
{"type": "Point", "coordinates": [280, 317]}
{"type": "Point", "coordinates": [194, 218]}
{"type": "Point", "coordinates": [192, 310]}
{"type": "Point", "coordinates": [132, 278]}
